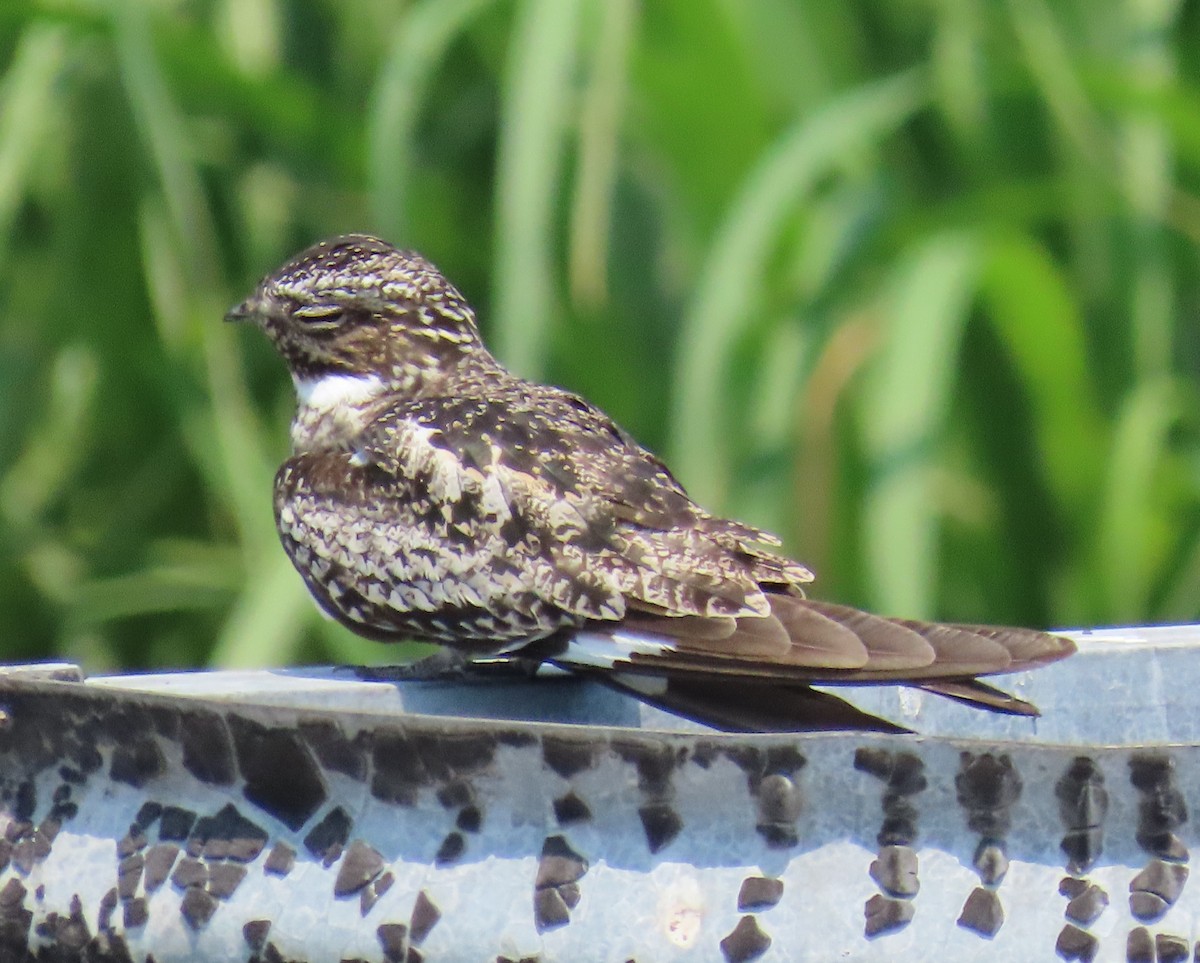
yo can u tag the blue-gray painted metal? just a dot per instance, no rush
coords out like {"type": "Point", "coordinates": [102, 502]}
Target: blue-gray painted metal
{"type": "Point", "coordinates": [553, 819]}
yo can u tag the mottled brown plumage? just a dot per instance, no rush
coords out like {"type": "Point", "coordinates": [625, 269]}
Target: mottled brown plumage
{"type": "Point", "coordinates": [434, 495]}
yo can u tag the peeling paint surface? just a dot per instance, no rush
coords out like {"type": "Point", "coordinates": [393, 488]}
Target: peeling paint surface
{"type": "Point", "coordinates": [293, 816]}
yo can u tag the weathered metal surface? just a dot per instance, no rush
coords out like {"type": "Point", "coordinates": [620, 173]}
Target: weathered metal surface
{"type": "Point", "coordinates": [309, 816]}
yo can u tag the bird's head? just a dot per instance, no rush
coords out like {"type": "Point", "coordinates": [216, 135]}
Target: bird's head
{"type": "Point", "coordinates": [357, 306]}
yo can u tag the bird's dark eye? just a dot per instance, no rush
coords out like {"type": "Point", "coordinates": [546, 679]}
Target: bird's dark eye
{"type": "Point", "coordinates": [319, 316]}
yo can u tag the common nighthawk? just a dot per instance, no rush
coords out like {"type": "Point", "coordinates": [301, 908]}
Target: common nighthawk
{"type": "Point", "coordinates": [433, 495]}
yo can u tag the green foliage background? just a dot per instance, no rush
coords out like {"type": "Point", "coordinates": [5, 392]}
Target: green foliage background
{"type": "Point", "coordinates": [913, 283]}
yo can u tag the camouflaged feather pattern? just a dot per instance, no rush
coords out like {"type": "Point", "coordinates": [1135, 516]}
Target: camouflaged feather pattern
{"type": "Point", "coordinates": [477, 521]}
{"type": "Point", "coordinates": [434, 495]}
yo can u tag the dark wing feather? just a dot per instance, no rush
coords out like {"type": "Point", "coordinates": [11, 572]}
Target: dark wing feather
{"type": "Point", "coordinates": [980, 695]}
{"type": "Point", "coordinates": [600, 507]}
{"type": "Point", "coordinates": [479, 522]}
{"type": "Point", "coordinates": [483, 523]}
{"type": "Point", "coordinates": [737, 706]}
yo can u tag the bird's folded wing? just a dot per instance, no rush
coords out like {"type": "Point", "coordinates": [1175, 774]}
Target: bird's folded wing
{"type": "Point", "coordinates": [804, 641]}
{"type": "Point", "coordinates": [575, 506]}
{"type": "Point", "coordinates": [757, 676]}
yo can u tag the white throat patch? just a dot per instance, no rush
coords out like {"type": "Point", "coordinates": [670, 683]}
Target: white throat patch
{"type": "Point", "coordinates": [337, 390]}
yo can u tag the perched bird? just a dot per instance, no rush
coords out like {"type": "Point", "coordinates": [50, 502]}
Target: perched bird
{"type": "Point", "coordinates": [433, 495]}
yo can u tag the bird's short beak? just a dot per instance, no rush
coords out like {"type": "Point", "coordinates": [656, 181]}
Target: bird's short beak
{"type": "Point", "coordinates": [242, 312]}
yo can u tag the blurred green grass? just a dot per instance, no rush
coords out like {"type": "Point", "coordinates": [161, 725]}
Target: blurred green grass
{"type": "Point", "coordinates": [913, 283]}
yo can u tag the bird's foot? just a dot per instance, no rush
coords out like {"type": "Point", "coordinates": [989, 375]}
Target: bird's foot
{"type": "Point", "coordinates": [447, 665]}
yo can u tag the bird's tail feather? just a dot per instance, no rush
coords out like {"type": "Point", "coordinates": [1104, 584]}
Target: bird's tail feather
{"type": "Point", "coordinates": [733, 706]}
{"type": "Point", "coordinates": [980, 695]}
{"type": "Point", "coordinates": [762, 668]}
{"type": "Point", "coordinates": [815, 641]}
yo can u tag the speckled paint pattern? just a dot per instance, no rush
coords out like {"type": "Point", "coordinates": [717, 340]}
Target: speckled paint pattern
{"type": "Point", "coordinates": [138, 826]}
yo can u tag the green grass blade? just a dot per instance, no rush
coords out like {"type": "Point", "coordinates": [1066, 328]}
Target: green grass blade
{"type": "Point", "coordinates": [269, 619]}
{"type": "Point", "coordinates": [421, 40]}
{"type": "Point", "coordinates": [28, 113]}
{"type": "Point", "coordinates": [734, 267]}
{"type": "Point", "coordinates": [599, 128]}
{"type": "Point", "coordinates": [764, 498]}
{"type": "Point", "coordinates": [541, 57]}
{"type": "Point", "coordinates": [1180, 603]}
{"type": "Point", "coordinates": [905, 408]}
{"type": "Point", "coordinates": [1032, 309]}
{"type": "Point", "coordinates": [957, 62]}
{"type": "Point", "coordinates": [1146, 170]}
{"type": "Point", "coordinates": [168, 144]}
{"type": "Point", "coordinates": [1130, 527]}
{"type": "Point", "coordinates": [252, 33]}
{"type": "Point", "coordinates": [56, 446]}
{"type": "Point", "coordinates": [225, 435]}
{"type": "Point", "coordinates": [1048, 57]}
{"type": "Point", "coordinates": [264, 626]}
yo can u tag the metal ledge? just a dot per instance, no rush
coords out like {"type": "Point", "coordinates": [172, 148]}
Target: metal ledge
{"type": "Point", "coordinates": [307, 815]}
